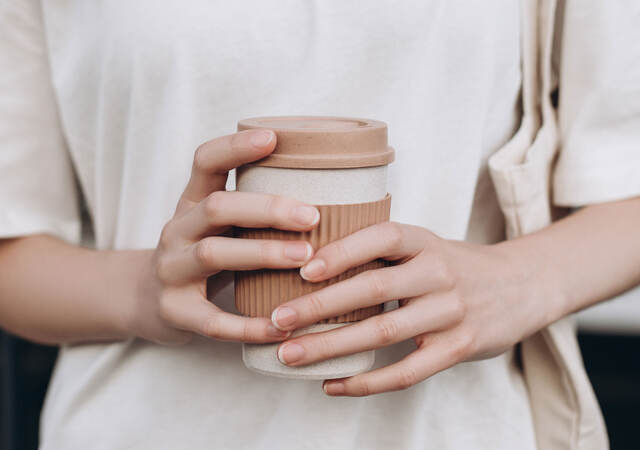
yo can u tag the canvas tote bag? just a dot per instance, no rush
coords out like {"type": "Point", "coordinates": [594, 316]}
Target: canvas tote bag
{"type": "Point", "coordinates": [565, 411]}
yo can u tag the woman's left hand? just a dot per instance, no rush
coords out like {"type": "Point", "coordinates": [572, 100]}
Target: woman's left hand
{"type": "Point", "coordinates": [458, 301]}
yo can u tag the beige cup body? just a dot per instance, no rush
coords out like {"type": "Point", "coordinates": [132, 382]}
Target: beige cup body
{"type": "Point", "coordinates": [319, 187]}
{"type": "Point", "coordinates": [316, 186]}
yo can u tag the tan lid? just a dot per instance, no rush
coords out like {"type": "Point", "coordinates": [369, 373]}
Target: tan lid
{"type": "Point", "coordinates": [307, 142]}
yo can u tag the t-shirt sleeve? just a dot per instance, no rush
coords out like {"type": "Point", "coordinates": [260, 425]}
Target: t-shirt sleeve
{"type": "Point", "coordinates": [38, 192]}
{"type": "Point", "coordinates": [599, 104]}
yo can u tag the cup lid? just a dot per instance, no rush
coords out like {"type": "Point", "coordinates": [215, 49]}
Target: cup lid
{"type": "Point", "coordinates": [308, 142]}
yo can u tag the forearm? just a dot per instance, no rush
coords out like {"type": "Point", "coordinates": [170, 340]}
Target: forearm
{"type": "Point", "coordinates": [587, 257]}
{"type": "Point", "coordinates": [55, 293]}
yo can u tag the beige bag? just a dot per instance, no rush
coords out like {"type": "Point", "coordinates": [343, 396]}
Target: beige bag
{"type": "Point", "coordinates": [565, 411]}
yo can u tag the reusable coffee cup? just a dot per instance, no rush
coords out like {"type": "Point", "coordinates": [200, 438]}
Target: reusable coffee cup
{"type": "Point", "coordinates": [338, 165]}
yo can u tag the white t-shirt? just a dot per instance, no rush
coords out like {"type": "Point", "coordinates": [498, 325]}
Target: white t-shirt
{"type": "Point", "coordinates": [120, 95]}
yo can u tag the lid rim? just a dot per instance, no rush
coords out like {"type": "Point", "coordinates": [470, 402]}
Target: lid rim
{"type": "Point", "coordinates": [317, 142]}
{"type": "Point", "coordinates": [333, 162]}
{"type": "Point", "coordinates": [255, 122]}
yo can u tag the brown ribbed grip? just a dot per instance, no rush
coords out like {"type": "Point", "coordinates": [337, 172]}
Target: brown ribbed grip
{"type": "Point", "coordinates": [259, 292]}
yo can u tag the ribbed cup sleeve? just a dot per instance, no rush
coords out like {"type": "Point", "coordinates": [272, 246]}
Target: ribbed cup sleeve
{"type": "Point", "coordinates": [259, 292]}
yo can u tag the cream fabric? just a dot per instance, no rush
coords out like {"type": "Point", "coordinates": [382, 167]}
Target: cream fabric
{"type": "Point", "coordinates": [591, 48]}
{"type": "Point", "coordinates": [599, 113]}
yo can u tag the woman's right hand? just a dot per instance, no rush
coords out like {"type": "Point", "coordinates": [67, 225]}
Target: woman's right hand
{"type": "Point", "coordinates": [172, 300]}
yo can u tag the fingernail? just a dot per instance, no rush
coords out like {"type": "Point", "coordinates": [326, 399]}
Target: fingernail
{"type": "Point", "coordinates": [273, 331]}
{"type": "Point", "coordinates": [298, 251]}
{"type": "Point", "coordinates": [283, 317]}
{"type": "Point", "coordinates": [313, 269]}
{"type": "Point", "coordinates": [261, 138]}
{"type": "Point", "coordinates": [333, 387]}
{"type": "Point", "coordinates": [306, 215]}
{"type": "Point", "coordinates": [290, 353]}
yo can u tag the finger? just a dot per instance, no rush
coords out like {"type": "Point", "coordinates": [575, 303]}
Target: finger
{"type": "Point", "coordinates": [388, 240]}
{"type": "Point", "coordinates": [213, 254]}
{"type": "Point", "coordinates": [373, 287]}
{"type": "Point", "coordinates": [213, 160]}
{"type": "Point", "coordinates": [244, 209]}
{"type": "Point", "coordinates": [421, 315]}
{"type": "Point", "coordinates": [198, 315]}
{"type": "Point", "coordinates": [415, 367]}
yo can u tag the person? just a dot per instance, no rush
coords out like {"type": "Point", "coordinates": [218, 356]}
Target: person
{"type": "Point", "coordinates": [113, 109]}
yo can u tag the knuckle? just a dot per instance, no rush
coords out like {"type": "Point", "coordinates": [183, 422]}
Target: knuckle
{"type": "Point", "coordinates": [246, 331]}
{"type": "Point", "coordinates": [275, 207]}
{"type": "Point", "coordinates": [237, 141]}
{"type": "Point", "coordinates": [394, 235]}
{"type": "Point", "coordinates": [268, 205]}
{"type": "Point", "coordinates": [386, 330]}
{"type": "Point", "coordinates": [363, 388]}
{"type": "Point", "coordinates": [200, 157]}
{"type": "Point", "coordinates": [211, 326]}
{"type": "Point", "coordinates": [204, 252]}
{"type": "Point", "coordinates": [340, 250]}
{"type": "Point", "coordinates": [458, 307]}
{"type": "Point", "coordinates": [213, 204]}
{"type": "Point", "coordinates": [463, 347]}
{"type": "Point", "coordinates": [166, 235]}
{"type": "Point", "coordinates": [407, 377]}
{"type": "Point", "coordinates": [316, 306]}
{"type": "Point", "coordinates": [377, 285]}
{"type": "Point", "coordinates": [269, 252]}
{"type": "Point", "coordinates": [326, 347]}
{"type": "Point", "coordinates": [443, 273]}
{"type": "Point", "coordinates": [162, 269]}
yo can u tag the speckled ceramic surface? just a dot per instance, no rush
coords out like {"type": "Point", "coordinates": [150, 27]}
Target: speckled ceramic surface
{"type": "Point", "coordinates": [263, 358]}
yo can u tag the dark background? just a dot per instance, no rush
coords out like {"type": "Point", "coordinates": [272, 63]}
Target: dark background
{"type": "Point", "coordinates": [613, 364]}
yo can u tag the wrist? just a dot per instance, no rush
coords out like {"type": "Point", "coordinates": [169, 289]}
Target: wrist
{"type": "Point", "coordinates": [133, 275]}
{"type": "Point", "coordinates": [538, 283]}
